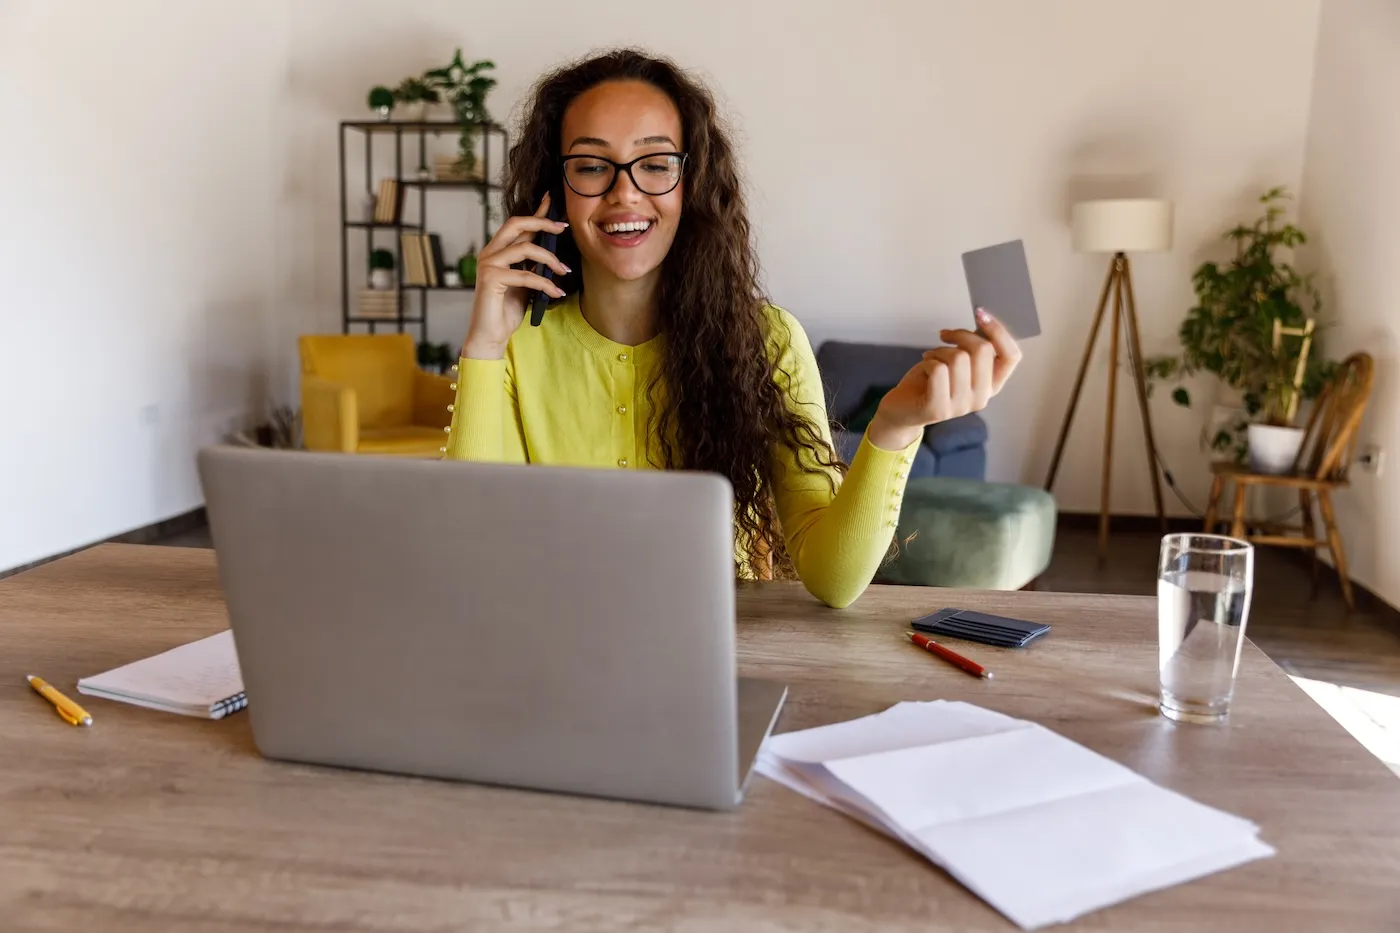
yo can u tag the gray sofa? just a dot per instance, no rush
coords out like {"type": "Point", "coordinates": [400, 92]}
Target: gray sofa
{"type": "Point", "coordinates": [956, 448]}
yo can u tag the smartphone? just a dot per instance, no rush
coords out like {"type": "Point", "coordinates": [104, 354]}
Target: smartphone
{"type": "Point", "coordinates": [550, 241]}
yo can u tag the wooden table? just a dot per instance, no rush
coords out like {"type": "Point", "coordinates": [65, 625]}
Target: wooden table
{"type": "Point", "coordinates": [150, 822]}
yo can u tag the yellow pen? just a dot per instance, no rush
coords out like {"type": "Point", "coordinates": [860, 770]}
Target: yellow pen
{"type": "Point", "coordinates": [71, 712]}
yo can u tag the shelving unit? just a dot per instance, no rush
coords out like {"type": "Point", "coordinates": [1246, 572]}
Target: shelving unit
{"type": "Point", "coordinates": [408, 313]}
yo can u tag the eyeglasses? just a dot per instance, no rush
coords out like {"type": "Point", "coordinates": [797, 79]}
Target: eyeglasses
{"type": "Point", "coordinates": [594, 176]}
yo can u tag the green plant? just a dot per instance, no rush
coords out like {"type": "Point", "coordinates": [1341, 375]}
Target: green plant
{"type": "Point", "coordinates": [436, 357]}
{"type": "Point", "coordinates": [381, 259]}
{"type": "Point", "coordinates": [465, 87]}
{"type": "Point", "coordinates": [381, 98]}
{"type": "Point", "coordinates": [413, 90]}
{"type": "Point", "coordinates": [1230, 331]}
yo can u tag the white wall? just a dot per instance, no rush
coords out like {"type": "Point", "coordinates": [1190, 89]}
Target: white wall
{"type": "Point", "coordinates": [882, 140]}
{"type": "Point", "coordinates": [1351, 190]}
{"type": "Point", "coordinates": [139, 177]}
{"type": "Point", "coordinates": [174, 212]}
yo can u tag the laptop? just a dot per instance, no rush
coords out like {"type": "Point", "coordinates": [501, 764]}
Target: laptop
{"type": "Point", "coordinates": [560, 629]}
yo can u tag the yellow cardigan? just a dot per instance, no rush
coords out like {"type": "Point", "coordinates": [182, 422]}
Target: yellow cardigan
{"type": "Point", "coordinates": [565, 395]}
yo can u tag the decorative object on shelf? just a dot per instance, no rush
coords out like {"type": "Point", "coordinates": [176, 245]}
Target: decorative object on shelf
{"type": "Point", "coordinates": [465, 87]}
{"type": "Point", "coordinates": [451, 278]}
{"type": "Point", "coordinates": [1119, 227]}
{"type": "Point", "coordinates": [381, 101]}
{"type": "Point", "coordinates": [1254, 327]}
{"type": "Point", "coordinates": [466, 266]}
{"type": "Point", "coordinates": [449, 167]}
{"type": "Point", "coordinates": [381, 269]}
{"type": "Point", "coordinates": [414, 95]}
{"type": "Point", "coordinates": [368, 201]}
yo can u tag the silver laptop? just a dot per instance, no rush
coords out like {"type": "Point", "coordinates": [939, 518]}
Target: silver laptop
{"type": "Point", "coordinates": [551, 628]}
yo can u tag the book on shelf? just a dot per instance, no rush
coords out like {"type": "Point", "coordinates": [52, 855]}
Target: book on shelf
{"type": "Point", "coordinates": [435, 260]}
{"type": "Point", "coordinates": [387, 207]}
{"type": "Point", "coordinates": [378, 303]}
{"type": "Point", "coordinates": [414, 270]}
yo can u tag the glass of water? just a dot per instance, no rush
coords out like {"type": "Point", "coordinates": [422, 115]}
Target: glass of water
{"type": "Point", "coordinates": [1204, 586]}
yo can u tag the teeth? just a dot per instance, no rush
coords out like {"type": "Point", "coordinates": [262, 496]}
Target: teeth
{"type": "Point", "coordinates": [627, 227]}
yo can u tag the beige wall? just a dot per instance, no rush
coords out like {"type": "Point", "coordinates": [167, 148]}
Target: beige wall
{"type": "Point", "coordinates": [1351, 196]}
{"type": "Point", "coordinates": [881, 141]}
{"type": "Point", "coordinates": [135, 274]}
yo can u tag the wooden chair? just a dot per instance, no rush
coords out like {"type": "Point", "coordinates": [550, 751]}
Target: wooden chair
{"type": "Point", "coordinates": [1328, 443]}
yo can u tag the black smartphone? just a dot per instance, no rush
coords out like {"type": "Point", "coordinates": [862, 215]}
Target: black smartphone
{"type": "Point", "coordinates": [550, 241]}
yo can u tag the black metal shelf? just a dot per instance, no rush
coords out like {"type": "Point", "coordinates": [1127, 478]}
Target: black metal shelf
{"type": "Point", "coordinates": [415, 126]}
{"type": "Point", "coordinates": [490, 135]}
{"type": "Point", "coordinates": [464, 185]}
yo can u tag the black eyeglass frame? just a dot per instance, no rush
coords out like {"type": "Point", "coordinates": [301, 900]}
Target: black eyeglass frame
{"type": "Point", "coordinates": [619, 168]}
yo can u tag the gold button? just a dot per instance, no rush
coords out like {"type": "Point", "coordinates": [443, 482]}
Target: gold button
{"type": "Point", "coordinates": [622, 357]}
{"type": "Point", "coordinates": [454, 367]}
{"type": "Point", "coordinates": [443, 449]}
{"type": "Point", "coordinates": [448, 429]}
{"type": "Point", "coordinates": [622, 409]}
{"type": "Point", "coordinates": [451, 407]}
{"type": "Point", "coordinates": [622, 462]}
{"type": "Point", "coordinates": [453, 387]}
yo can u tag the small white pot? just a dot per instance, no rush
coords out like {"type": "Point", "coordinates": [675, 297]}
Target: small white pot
{"type": "Point", "coordinates": [1273, 449]}
{"type": "Point", "coordinates": [381, 278]}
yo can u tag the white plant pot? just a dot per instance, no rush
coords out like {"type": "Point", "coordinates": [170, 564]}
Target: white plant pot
{"type": "Point", "coordinates": [1273, 449]}
{"type": "Point", "coordinates": [381, 279]}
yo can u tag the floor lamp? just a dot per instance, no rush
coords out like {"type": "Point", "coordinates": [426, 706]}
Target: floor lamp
{"type": "Point", "coordinates": [1119, 227]}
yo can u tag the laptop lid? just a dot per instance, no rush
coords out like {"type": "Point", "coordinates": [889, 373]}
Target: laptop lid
{"type": "Point", "coordinates": [554, 628]}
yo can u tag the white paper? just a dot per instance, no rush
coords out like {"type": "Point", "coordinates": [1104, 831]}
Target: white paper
{"type": "Point", "coordinates": [1040, 827]}
{"type": "Point", "coordinates": [191, 679]}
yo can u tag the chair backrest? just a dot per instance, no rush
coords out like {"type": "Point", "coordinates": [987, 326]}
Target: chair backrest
{"type": "Point", "coordinates": [1330, 438]}
{"type": "Point", "coordinates": [379, 367]}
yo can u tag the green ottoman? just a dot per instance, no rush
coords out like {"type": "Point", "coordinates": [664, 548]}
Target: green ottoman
{"type": "Point", "coordinates": [991, 536]}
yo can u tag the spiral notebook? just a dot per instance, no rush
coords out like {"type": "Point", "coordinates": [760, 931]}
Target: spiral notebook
{"type": "Point", "coordinates": [198, 679]}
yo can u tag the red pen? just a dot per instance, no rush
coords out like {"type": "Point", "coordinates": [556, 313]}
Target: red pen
{"type": "Point", "coordinates": [952, 657]}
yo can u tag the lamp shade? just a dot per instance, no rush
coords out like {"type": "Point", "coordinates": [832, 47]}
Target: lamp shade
{"type": "Point", "coordinates": [1122, 225]}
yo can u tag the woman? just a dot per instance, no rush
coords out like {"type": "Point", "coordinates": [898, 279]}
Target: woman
{"type": "Point", "coordinates": [660, 351]}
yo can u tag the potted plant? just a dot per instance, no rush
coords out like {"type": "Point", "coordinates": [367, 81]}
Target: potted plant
{"type": "Point", "coordinates": [381, 269]}
{"type": "Point", "coordinates": [465, 87]}
{"type": "Point", "coordinates": [1252, 327]}
{"type": "Point", "coordinates": [434, 357]}
{"type": "Point", "coordinates": [381, 101]}
{"type": "Point", "coordinates": [415, 94]}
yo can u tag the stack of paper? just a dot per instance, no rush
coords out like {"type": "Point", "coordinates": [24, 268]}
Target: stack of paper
{"type": "Point", "coordinates": [1038, 826]}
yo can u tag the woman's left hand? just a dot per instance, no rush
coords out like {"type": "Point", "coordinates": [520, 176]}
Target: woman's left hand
{"type": "Point", "coordinates": [950, 381]}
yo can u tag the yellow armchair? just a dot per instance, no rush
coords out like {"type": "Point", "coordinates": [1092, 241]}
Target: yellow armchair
{"type": "Point", "coordinates": [364, 393]}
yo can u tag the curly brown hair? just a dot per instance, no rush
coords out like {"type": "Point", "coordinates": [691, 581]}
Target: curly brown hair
{"type": "Point", "coordinates": [723, 411]}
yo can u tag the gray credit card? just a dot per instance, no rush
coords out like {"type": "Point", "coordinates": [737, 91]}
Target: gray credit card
{"type": "Point", "coordinates": [999, 280]}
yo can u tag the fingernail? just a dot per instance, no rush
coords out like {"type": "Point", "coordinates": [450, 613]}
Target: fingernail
{"type": "Point", "coordinates": [983, 316]}
{"type": "Point", "coordinates": [566, 269]}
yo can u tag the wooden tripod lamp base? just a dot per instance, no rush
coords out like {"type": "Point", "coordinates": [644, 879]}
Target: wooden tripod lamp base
{"type": "Point", "coordinates": [1118, 227]}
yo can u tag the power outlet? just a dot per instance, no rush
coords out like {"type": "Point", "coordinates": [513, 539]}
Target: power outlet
{"type": "Point", "coordinates": [1371, 459]}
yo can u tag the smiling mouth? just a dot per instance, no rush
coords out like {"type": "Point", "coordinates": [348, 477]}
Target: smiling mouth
{"type": "Point", "coordinates": [628, 231]}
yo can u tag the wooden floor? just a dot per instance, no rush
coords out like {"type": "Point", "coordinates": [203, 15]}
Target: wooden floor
{"type": "Point", "coordinates": [1313, 638]}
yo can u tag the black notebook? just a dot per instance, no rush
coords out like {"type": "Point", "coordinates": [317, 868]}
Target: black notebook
{"type": "Point", "coordinates": [981, 627]}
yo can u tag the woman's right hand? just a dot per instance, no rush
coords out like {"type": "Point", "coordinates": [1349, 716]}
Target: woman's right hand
{"type": "Point", "coordinates": [502, 292]}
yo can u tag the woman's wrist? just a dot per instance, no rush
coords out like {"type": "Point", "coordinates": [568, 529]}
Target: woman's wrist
{"type": "Point", "coordinates": [887, 436]}
{"type": "Point", "coordinates": [474, 348]}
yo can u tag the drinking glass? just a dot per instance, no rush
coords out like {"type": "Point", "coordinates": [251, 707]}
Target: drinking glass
{"type": "Point", "coordinates": [1204, 584]}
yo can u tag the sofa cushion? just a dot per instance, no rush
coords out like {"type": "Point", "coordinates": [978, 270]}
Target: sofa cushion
{"type": "Point", "coordinates": [956, 434]}
{"type": "Point", "coordinates": [848, 369]}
